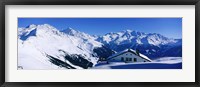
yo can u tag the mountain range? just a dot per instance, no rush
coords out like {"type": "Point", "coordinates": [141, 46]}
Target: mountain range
{"type": "Point", "coordinates": [45, 47]}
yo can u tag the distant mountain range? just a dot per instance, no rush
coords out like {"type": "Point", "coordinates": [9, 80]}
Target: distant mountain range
{"type": "Point", "coordinates": [43, 46]}
{"type": "Point", "coordinates": [152, 45]}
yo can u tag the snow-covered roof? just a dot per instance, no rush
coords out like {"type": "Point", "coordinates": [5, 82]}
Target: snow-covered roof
{"type": "Point", "coordinates": [116, 54]}
{"type": "Point", "coordinates": [145, 57]}
{"type": "Point", "coordinates": [132, 51]}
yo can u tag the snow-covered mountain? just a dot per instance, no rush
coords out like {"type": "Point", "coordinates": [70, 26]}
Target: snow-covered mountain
{"type": "Point", "coordinates": [134, 37]}
{"type": "Point", "coordinates": [73, 32]}
{"type": "Point", "coordinates": [47, 46]}
{"type": "Point", "coordinates": [151, 44]}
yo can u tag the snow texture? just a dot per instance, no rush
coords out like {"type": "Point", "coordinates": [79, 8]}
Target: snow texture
{"type": "Point", "coordinates": [45, 40]}
{"type": "Point", "coordinates": [161, 63]}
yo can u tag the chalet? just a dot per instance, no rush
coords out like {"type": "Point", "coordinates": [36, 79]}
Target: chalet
{"type": "Point", "coordinates": [128, 56]}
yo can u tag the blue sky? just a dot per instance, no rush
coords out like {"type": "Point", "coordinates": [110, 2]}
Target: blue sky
{"type": "Point", "coordinates": [169, 27]}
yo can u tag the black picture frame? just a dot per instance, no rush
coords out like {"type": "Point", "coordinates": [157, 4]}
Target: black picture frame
{"type": "Point", "coordinates": [99, 2]}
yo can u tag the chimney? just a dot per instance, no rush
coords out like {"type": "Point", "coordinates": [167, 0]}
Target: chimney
{"type": "Point", "coordinates": [137, 52]}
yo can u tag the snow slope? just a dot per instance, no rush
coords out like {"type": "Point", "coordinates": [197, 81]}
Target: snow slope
{"type": "Point", "coordinates": [33, 47]}
{"type": "Point", "coordinates": [161, 63]}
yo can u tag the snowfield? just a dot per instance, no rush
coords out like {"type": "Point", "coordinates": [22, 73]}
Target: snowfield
{"type": "Point", "coordinates": [161, 63]}
{"type": "Point", "coordinates": [36, 42]}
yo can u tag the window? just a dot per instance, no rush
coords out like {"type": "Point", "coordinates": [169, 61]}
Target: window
{"type": "Point", "coordinates": [126, 59]}
{"type": "Point", "coordinates": [131, 54]}
{"type": "Point", "coordinates": [135, 59]}
{"type": "Point", "coordinates": [122, 58]}
{"type": "Point", "coordinates": [130, 59]}
{"type": "Point", "coordinates": [144, 61]}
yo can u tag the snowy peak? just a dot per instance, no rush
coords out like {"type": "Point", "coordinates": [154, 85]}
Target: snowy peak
{"type": "Point", "coordinates": [135, 37]}
{"type": "Point", "coordinates": [31, 26]}
{"type": "Point", "coordinates": [36, 30]}
{"type": "Point", "coordinates": [128, 31]}
{"type": "Point", "coordinates": [75, 33]}
{"type": "Point", "coordinates": [70, 31]}
{"type": "Point", "coordinates": [132, 32]}
{"type": "Point", "coordinates": [43, 26]}
{"type": "Point", "coordinates": [158, 39]}
{"type": "Point", "coordinates": [46, 28]}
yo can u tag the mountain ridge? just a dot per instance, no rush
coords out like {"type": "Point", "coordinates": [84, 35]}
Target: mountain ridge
{"type": "Point", "coordinates": [69, 46]}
